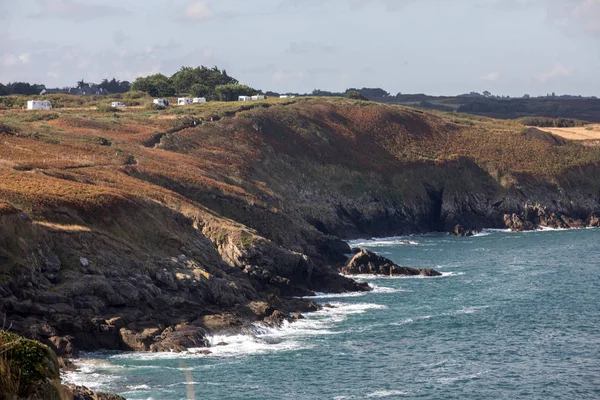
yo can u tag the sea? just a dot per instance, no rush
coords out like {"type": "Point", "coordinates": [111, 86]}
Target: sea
{"type": "Point", "coordinates": [514, 316]}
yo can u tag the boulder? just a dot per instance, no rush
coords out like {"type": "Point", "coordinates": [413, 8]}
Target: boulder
{"type": "Point", "coordinates": [367, 262]}
{"type": "Point", "coordinates": [460, 231]}
{"type": "Point", "coordinates": [75, 392]}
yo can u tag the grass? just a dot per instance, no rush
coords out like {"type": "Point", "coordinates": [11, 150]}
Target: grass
{"type": "Point", "coordinates": [91, 162]}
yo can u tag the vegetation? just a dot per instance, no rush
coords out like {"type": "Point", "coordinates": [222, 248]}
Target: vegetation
{"type": "Point", "coordinates": [25, 367]}
{"type": "Point", "coordinates": [552, 122]}
{"type": "Point", "coordinates": [212, 83]}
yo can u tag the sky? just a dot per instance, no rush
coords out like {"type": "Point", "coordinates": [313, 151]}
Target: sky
{"type": "Point", "coordinates": [440, 47]}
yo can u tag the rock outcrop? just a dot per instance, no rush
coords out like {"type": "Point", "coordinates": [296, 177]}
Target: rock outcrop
{"type": "Point", "coordinates": [367, 262]}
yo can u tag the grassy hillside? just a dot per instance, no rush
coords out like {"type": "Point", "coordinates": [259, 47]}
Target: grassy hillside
{"type": "Point", "coordinates": [161, 217]}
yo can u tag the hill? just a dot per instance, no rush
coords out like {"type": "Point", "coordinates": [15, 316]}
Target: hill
{"type": "Point", "coordinates": [142, 229]}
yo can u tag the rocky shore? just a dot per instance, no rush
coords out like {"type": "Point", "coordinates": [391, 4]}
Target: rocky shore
{"type": "Point", "coordinates": [212, 227]}
{"type": "Point", "coordinates": [367, 262]}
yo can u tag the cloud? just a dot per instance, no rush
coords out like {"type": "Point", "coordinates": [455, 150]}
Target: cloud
{"type": "Point", "coordinates": [198, 10]}
{"type": "Point", "coordinates": [10, 59]}
{"type": "Point", "coordinates": [557, 71]}
{"type": "Point", "coordinates": [587, 13]}
{"type": "Point", "coordinates": [491, 77]}
{"type": "Point", "coordinates": [302, 48]}
{"type": "Point", "coordinates": [72, 9]}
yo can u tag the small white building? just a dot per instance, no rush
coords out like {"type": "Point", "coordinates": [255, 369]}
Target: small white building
{"type": "Point", "coordinates": [161, 102]}
{"type": "Point", "coordinates": [258, 97]}
{"type": "Point", "coordinates": [184, 101]}
{"type": "Point", "coordinates": [244, 98]}
{"type": "Point", "coordinates": [39, 105]}
{"type": "Point", "coordinates": [284, 96]}
{"type": "Point", "coordinates": [117, 104]}
{"type": "Point", "coordinates": [199, 100]}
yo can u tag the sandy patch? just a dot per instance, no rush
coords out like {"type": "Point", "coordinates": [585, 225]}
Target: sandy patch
{"type": "Point", "coordinates": [589, 132]}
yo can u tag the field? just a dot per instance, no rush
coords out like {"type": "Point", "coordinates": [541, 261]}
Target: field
{"type": "Point", "coordinates": [587, 133]}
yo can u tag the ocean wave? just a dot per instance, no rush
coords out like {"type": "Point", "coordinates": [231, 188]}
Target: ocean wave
{"type": "Point", "coordinates": [383, 242]}
{"type": "Point", "coordinates": [411, 320]}
{"type": "Point", "coordinates": [320, 295]}
{"type": "Point", "coordinates": [94, 374]}
{"type": "Point", "coordinates": [386, 290]}
{"type": "Point", "coordinates": [386, 393]}
{"type": "Point", "coordinates": [465, 310]}
{"type": "Point", "coordinates": [449, 380]}
{"type": "Point", "coordinates": [368, 277]}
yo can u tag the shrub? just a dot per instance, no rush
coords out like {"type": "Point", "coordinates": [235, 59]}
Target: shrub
{"type": "Point", "coordinates": [107, 108]}
{"type": "Point", "coordinates": [156, 107]}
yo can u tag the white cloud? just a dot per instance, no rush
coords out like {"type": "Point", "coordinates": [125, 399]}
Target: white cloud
{"type": "Point", "coordinates": [10, 59]}
{"type": "Point", "coordinates": [75, 10]}
{"type": "Point", "coordinates": [492, 77]}
{"type": "Point", "coordinates": [588, 13]}
{"type": "Point", "coordinates": [557, 71]}
{"type": "Point", "coordinates": [199, 10]}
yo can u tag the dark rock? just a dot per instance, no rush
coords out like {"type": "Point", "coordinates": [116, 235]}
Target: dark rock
{"type": "Point", "coordinates": [460, 231]}
{"type": "Point", "coordinates": [367, 262]}
{"type": "Point", "coordinates": [593, 221]}
{"type": "Point", "coordinates": [75, 392]}
{"type": "Point", "coordinates": [516, 223]}
{"type": "Point", "coordinates": [180, 338]}
{"type": "Point", "coordinates": [202, 352]}
{"type": "Point", "coordinates": [222, 344]}
{"type": "Point", "coordinates": [277, 319]}
{"type": "Point", "coordinates": [297, 316]}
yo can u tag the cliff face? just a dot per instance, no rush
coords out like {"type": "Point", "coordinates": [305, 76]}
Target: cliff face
{"type": "Point", "coordinates": [145, 231]}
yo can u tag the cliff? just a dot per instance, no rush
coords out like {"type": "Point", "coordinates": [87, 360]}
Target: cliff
{"type": "Point", "coordinates": [143, 230]}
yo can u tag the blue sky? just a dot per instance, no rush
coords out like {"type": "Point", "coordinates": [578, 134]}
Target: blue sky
{"type": "Point", "coordinates": [411, 46]}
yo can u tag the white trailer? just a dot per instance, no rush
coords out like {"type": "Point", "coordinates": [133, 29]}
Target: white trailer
{"type": "Point", "coordinates": [39, 105]}
{"type": "Point", "coordinates": [117, 104]}
{"type": "Point", "coordinates": [258, 97]}
{"type": "Point", "coordinates": [161, 102]}
{"type": "Point", "coordinates": [196, 100]}
{"type": "Point", "coordinates": [184, 101]}
{"type": "Point", "coordinates": [244, 98]}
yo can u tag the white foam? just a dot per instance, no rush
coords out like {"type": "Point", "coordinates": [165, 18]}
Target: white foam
{"type": "Point", "coordinates": [93, 373]}
{"type": "Point", "coordinates": [321, 295]}
{"type": "Point", "coordinates": [138, 387]}
{"type": "Point", "coordinates": [367, 277]}
{"type": "Point", "coordinates": [411, 320]}
{"type": "Point", "coordinates": [449, 380]}
{"type": "Point", "coordinates": [386, 393]}
{"type": "Point", "coordinates": [386, 290]}
{"type": "Point", "coordinates": [467, 310]}
{"type": "Point", "coordinates": [383, 242]}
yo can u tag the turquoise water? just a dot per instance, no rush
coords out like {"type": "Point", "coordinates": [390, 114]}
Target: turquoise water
{"type": "Point", "coordinates": [516, 315]}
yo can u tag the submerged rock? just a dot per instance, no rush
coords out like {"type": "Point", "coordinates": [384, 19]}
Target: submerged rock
{"type": "Point", "coordinates": [367, 262]}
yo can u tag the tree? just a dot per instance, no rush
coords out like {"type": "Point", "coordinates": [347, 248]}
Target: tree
{"type": "Point", "coordinates": [232, 91]}
{"type": "Point", "coordinates": [3, 90]}
{"type": "Point", "coordinates": [81, 84]}
{"type": "Point", "coordinates": [354, 94]}
{"type": "Point", "coordinates": [114, 86]}
{"type": "Point", "coordinates": [157, 85]}
{"type": "Point", "coordinates": [200, 90]}
{"type": "Point", "coordinates": [371, 93]}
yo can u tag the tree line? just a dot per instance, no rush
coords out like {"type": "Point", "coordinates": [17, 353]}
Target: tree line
{"type": "Point", "coordinates": [211, 83]}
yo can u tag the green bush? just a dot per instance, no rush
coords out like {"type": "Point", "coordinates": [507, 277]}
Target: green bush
{"type": "Point", "coordinates": [107, 108]}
